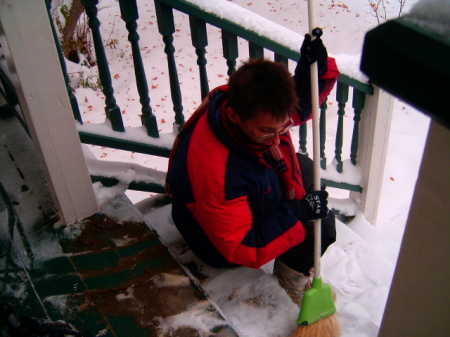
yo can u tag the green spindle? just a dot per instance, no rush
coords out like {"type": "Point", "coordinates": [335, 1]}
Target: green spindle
{"type": "Point", "coordinates": [342, 98]}
{"type": "Point", "coordinates": [359, 100]}
{"type": "Point", "coordinates": [230, 50]}
{"type": "Point", "coordinates": [72, 98]}
{"type": "Point", "coordinates": [255, 51]}
{"type": "Point", "coordinates": [303, 133]}
{"type": "Point", "coordinates": [112, 110]}
{"type": "Point", "coordinates": [166, 27]}
{"type": "Point", "coordinates": [129, 11]}
{"type": "Point", "coordinates": [323, 134]}
{"type": "Point", "coordinates": [199, 38]}
{"type": "Point", "coordinates": [281, 58]}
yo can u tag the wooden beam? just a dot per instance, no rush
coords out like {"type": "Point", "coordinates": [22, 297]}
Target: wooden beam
{"type": "Point", "coordinates": [38, 79]}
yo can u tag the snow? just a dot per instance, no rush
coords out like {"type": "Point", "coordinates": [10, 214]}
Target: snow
{"type": "Point", "coordinates": [361, 263]}
{"type": "Point", "coordinates": [432, 15]}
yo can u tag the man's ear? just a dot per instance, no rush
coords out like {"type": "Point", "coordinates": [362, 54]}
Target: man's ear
{"type": "Point", "coordinates": [233, 116]}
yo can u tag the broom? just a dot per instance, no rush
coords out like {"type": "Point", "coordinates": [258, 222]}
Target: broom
{"type": "Point", "coordinates": [318, 311]}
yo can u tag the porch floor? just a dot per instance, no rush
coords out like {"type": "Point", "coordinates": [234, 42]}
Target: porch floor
{"type": "Point", "coordinates": [103, 277]}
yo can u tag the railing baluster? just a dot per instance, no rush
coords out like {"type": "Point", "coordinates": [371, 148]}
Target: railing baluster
{"type": "Point", "coordinates": [303, 133]}
{"type": "Point", "coordinates": [112, 110]}
{"type": "Point", "coordinates": [255, 51]}
{"type": "Point", "coordinates": [342, 98]}
{"type": "Point", "coordinates": [129, 11]}
{"type": "Point", "coordinates": [359, 99]}
{"type": "Point", "coordinates": [166, 27]}
{"type": "Point", "coordinates": [281, 58]}
{"type": "Point", "coordinates": [199, 38]}
{"type": "Point", "coordinates": [72, 98]}
{"type": "Point", "coordinates": [230, 50]}
{"type": "Point", "coordinates": [323, 134]}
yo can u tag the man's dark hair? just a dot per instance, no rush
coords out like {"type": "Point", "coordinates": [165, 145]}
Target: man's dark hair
{"type": "Point", "coordinates": [260, 85]}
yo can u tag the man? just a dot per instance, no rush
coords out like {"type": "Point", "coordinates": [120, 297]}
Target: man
{"type": "Point", "coordinates": [241, 195]}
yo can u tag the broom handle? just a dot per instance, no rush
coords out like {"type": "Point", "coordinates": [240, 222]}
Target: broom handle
{"type": "Point", "coordinates": [316, 141]}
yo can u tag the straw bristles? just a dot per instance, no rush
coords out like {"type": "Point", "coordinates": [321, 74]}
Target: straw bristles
{"type": "Point", "coordinates": [326, 327]}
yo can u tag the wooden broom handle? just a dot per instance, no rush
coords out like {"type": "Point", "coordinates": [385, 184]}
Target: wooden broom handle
{"type": "Point", "coordinates": [316, 140]}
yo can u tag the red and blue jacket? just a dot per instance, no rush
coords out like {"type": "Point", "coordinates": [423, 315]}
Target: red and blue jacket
{"type": "Point", "coordinates": [228, 202]}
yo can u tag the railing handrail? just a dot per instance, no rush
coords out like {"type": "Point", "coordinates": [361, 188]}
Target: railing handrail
{"type": "Point", "coordinates": [288, 50]}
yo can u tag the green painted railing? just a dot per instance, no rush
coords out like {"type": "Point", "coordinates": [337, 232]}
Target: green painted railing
{"type": "Point", "coordinates": [231, 31]}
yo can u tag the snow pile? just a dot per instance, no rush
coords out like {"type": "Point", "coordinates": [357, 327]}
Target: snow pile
{"type": "Point", "coordinates": [433, 15]}
{"type": "Point", "coordinates": [254, 303]}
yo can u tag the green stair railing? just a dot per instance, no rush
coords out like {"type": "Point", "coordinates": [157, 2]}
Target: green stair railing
{"type": "Point", "coordinates": [231, 32]}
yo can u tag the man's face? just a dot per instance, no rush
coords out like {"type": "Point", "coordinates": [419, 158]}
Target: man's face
{"type": "Point", "coordinates": [265, 129]}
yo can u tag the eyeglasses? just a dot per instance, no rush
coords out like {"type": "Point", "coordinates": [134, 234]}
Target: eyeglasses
{"type": "Point", "coordinates": [271, 135]}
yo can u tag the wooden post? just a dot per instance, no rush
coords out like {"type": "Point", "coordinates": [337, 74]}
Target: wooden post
{"type": "Point", "coordinates": [418, 303]}
{"type": "Point", "coordinates": [255, 51]}
{"type": "Point", "coordinates": [129, 11]}
{"type": "Point", "coordinates": [374, 138]}
{"type": "Point", "coordinates": [342, 98]}
{"type": "Point", "coordinates": [199, 39]}
{"type": "Point", "coordinates": [44, 100]}
{"type": "Point", "coordinates": [112, 110]}
{"type": "Point", "coordinates": [323, 134]}
{"type": "Point", "coordinates": [166, 27]}
{"type": "Point", "coordinates": [230, 50]}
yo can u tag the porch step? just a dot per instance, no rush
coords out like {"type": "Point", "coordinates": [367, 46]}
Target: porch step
{"type": "Point", "coordinates": [113, 279]}
{"type": "Point", "coordinates": [105, 276]}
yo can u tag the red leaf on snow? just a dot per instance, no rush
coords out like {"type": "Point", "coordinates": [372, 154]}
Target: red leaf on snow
{"type": "Point", "coordinates": [392, 179]}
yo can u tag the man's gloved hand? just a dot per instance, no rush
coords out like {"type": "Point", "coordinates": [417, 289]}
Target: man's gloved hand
{"type": "Point", "coordinates": [315, 204]}
{"type": "Point", "coordinates": [314, 51]}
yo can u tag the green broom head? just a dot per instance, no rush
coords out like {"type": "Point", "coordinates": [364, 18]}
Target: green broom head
{"type": "Point", "coordinates": [318, 303]}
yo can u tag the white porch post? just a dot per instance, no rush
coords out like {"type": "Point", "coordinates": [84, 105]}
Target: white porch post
{"type": "Point", "coordinates": [418, 303]}
{"type": "Point", "coordinates": [374, 138]}
{"type": "Point", "coordinates": [37, 76]}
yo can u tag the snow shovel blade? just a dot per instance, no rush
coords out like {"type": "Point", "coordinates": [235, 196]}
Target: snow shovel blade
{"type": "Point", "coordinates": [318, 303]}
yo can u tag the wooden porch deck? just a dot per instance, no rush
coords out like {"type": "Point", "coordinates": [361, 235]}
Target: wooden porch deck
{"type": "Point", "coordinates": [103, 277]}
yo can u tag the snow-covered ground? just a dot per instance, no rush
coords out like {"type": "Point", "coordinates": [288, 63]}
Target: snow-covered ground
{"type": "Point", "coordinates": [361, 263]}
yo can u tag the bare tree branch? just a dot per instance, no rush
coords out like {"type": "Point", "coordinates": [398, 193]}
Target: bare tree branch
{"type": "Point", "coordinates": [69, 29]}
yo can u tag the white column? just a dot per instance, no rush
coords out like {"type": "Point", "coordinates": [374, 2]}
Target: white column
{"type": "Point", "coordinates": [37, 76]}
{"type": "Point", "coordinates": [374, 138]}
{"type": "Point", "coordinates": [418, 303]}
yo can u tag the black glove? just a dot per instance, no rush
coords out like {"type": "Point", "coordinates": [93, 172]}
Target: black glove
{"type": "Point", "coordinates": [315, 204]}
{"type": "Point", "coordinates": [314, 51]}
